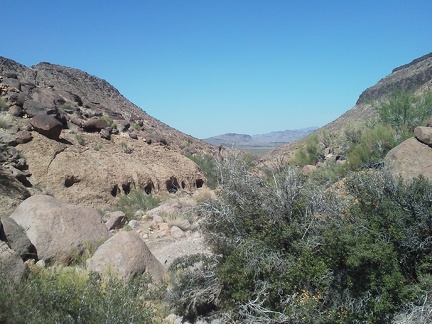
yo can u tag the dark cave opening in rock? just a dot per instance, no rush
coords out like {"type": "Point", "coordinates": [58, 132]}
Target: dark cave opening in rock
{"type": "Point", "coordinates": [115, 191]}
{"type": "Point", "coordinates": [148, 189]}
{"type": "Point", "coordinates": [70, 181]}
{"type": "Point", "coordinates": [172, 185]}
{"type": "Point", "coordinates": [199, 183]}
{"type": "Point", "coordinates": [126, 188]}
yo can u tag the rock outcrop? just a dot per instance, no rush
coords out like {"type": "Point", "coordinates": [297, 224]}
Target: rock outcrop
{"type": "Point", "coordinates": [75, 136]}
{"type": "Point", "coordinates": [412, 157]}
{"type": "Point", "coordinates": [126, 255]}
{"type": "Point", "coordinates": [58, 230]}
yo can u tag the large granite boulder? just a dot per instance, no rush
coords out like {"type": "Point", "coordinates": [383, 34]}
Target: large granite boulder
{"type": "Point", "coordinates": [410, 159]}
{"type": "Point", "coordinates": [58, 230]}
{"type": "Point", "coordinates": [126, 255]}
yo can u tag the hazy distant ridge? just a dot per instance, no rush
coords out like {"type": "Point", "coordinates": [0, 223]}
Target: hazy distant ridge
{"type": "Point", "coordinates": [272, 139]}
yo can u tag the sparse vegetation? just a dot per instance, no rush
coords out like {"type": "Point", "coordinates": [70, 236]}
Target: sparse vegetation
{"type": "Point", "coordinates": [137, 200]}
{"type": "Point", "coordinates": [292, 251]}
{"type": "Point", "coordinates": [69, 295]}
{"type": "Point", "coordinates": [5, 120]}
{"type": "Point", "coordinates": [208, 165]}
{"type": "Point", "coordinates": [3, 104]}
{"type": "Point", "coordinates": [126, 148]}
{"type": "Point", "coordinates": [111, 123]}
{"type": "Point", "coordinates": [80, 139]}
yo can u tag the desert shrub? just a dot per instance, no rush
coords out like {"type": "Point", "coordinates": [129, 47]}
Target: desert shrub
{"type": "Point", "coordinates": [126, 148]}
{"type": "Point", "coordinates": [5, 120]}
{"type": "Point", "coordinates": [80, 139]}
{"type": "Point", "coordinates": [404, 111]}
{"type": "Point", "coordinates": [111, 123]}
{"type": "Point", "coordinates": [3, 104]}
{"type": "Point", "coordinates": [194, 287]}
{"type": "Point", "coordinates": [208, 166]}
{"type": "Point", "coordinates": [72, 296]}
{"type": "Point", "coordinates": [136, 200]}
{"type": "Point", "coordinates": [291, 251]}
{"type": "Point", "coordinates": [372, 146]}
{"type": "Point", "coordinates": [310, 153]}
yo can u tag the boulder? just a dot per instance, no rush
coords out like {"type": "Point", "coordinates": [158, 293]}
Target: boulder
{"type": "Point", "coordinates": [94, 124]}
{"type": "Point", "coordinates": [126, 255]}
{"type": "Point", "coordinates": [307, 169]}
{"type": "Point", "coordinates": [23, 137]}
{"type": "Point", "coordinates": [57, 229]}
{"type": "Point", "coordinates": [19, 99]}
{"type": "Point", "coordinates": [47, 125]}
{"type": "Point", "coordinates": [15, 111]}
{"type": "Point", "coordinates": [12, 82]}
{"type": "Point", "coordinates": [424, 134]}
{"type": "Point", "coordinates": [177, 233]}
{"type": "Point", "coordinates": [105, 134]}
{"type": "Point", "coordinates": [7, 138]}
{"type": "Point", "coordinates": [11, 265]}
{"type": "Point", "coordinates": [17, 239]}
{"type": "Point", "coordinates": [410, 159]}
{"type": "Point", "coordinates": [33, 108]}
{"type": "Point", "coordinates": [116, 220]}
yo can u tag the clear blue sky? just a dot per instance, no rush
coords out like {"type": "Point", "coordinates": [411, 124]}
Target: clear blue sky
{"type": "Point", "coordinates": [212, 67]}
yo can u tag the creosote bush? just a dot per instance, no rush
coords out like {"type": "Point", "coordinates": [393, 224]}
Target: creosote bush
{"type": "Point", "coordinates": [290, 251]}
{"type": "Point", "coordinates": [68, 295]}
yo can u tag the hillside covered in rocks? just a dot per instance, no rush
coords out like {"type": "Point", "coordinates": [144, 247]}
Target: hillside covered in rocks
{"type": "Point", "coordinates": [76, 137]}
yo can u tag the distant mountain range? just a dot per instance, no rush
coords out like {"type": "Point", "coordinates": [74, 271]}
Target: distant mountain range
{"type": "Point", "coordinates": [272, 139]}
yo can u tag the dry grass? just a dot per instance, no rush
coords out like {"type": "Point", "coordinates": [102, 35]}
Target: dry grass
{"type": "Point", "coordinates": [5, 120]}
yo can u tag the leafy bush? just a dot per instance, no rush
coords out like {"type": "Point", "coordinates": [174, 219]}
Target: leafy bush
{"type": "Point", "coordinates": [69, 295]}
{"type": "Point", "coordinates": [136, 200]}
{"type": "Point", "coordinates": [310, 153]}
{"type": "Point", "coordinates": [405, 111]}
{"type": "Point", "coordinates": [293, 252]}
{"type": "Point", "coordinates": [372, 146]}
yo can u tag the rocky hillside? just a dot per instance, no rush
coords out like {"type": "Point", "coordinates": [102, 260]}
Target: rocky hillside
{"type": "Point", "coordinates": [99, 97]}
{"type": "Point", "coordinates": [415, 77]}
{"type": "Point", "coordinates": [74, 136]}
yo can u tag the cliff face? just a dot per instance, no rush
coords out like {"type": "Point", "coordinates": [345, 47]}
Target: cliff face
{"type": "Point", "coordinates": [408, 77]}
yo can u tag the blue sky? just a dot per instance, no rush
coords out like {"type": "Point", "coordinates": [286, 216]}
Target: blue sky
{"type": "Point", "coordinates": [212, 67]}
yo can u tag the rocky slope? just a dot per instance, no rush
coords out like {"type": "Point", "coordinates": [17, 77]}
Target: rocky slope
{"type": "Point", "coordinates": [415, 77]}
{"type": "Point", "coordinates": [73, 135]}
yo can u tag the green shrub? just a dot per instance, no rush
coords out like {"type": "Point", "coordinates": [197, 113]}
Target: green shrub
{"type": "Point", "coordinates": [208, 166]}
{"type": "Point", "coordinates": [404, 111]}
{"type": "Point", "coordinates": [136, 200]}
{"type": "Point", "coordinates": [310, 153]}
{"type": "Point", "coordinates": [73, 296]}
{"type": "Point", "coordinates": [291, 251]}
{"type": "Point", "coordinates": [372, 146]}
{"type": "Point", "coordinates": [111, 123]}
